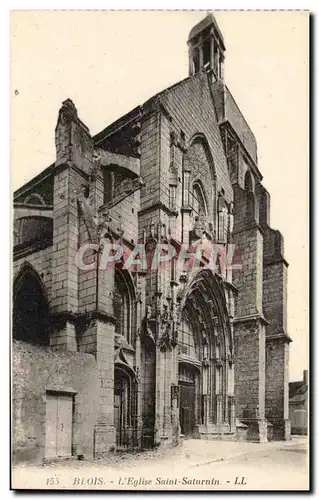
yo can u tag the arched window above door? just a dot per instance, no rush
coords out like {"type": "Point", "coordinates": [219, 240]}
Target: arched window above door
{"type": "Point", "coordinates": [186, 336]}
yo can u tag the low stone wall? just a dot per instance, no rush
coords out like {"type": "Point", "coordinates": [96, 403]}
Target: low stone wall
{"type": "Point", "coordinates": [36, 370]}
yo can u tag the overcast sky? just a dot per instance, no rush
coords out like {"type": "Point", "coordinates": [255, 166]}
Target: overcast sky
{"type": "Point", "coordinates": [109, 62]}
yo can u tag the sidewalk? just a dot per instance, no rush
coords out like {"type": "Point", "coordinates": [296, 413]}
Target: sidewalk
{"type": "Point", "coordinates": [200, 452]}
{"type": "Point", "coordinates": [191, 459]}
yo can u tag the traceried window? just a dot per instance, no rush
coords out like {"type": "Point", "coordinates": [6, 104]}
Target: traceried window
{"type": "Point", "coordinates": [122, 306]}
{"type": "Point", "coordinates": [186, 337]}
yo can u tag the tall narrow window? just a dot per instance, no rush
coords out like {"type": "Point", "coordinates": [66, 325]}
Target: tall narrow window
{"type": "Point", "coordinates": [198, 203]}
{"type": "Point", "coordinates": [216, 60]}
{"type": "Point", "coordinates": [122, 306]}
{"type": "Point", "coordinates": [222, 219]}
{"type": "Point", "coordinates": [206, 53]}
{"type": "Point", "coordinates": [186, 189]}
{"type": "Point", "coordinates": [196, 61]}
{"type": "Point", "coordinates": [172, 197]}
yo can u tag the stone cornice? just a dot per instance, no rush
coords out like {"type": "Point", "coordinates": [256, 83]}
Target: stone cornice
{"type": "Point", "coordinates": [157, 206]}
{"type": "Point", "coordinates": [251, 317]}
{"type": "Point", "coordinates": [82, 317]}
{"type": "Point", "coordinates": [279, 337]}
{"type": "Point", "coordinates": [63, 166]}
{"type": "Point", "coordinates": [276, 260]}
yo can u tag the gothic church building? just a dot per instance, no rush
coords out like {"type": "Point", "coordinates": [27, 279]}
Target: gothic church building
{"type": "Point", "coordinates": [131, 358]}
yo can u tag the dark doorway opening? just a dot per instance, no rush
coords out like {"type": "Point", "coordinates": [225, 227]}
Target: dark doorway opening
{"type": "Point", "coordinates": [125, 411]}
{"type": "Point", "coordinates": [187, 408]}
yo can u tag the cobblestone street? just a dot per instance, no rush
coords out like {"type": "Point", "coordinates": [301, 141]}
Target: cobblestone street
{"type": "Point", "coordinates": [193, 465]}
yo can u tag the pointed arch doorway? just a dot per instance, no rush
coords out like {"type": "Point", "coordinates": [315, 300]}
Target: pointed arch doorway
{"type": "Point", "coordinates": [205, 358]}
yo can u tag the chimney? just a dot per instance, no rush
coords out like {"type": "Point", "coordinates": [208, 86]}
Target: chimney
{"type": "Point", "coordinates": [305, 377]}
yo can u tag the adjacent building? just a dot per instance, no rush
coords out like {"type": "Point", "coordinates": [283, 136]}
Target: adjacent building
{"type": "Point", "coordinates": [298, 405]}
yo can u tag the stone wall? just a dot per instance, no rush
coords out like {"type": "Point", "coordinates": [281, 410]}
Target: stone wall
{"type": "Point", "coordinates": [192, 111]}
{"type": "Point", "coordinates": [37, 370]}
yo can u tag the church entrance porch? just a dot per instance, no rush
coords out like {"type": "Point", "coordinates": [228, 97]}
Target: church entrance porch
{"type": "Point", "coordinates": [205, 368]}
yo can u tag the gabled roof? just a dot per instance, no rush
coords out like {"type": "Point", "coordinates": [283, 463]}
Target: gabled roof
{"type": "Point", "coordinates": [47, 172]}
{"type": "Point", "coordinates": [118, 124]}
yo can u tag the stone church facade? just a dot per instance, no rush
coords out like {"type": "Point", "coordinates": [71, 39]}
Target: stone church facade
{"type": "Point", "coordinates": [118, 357]}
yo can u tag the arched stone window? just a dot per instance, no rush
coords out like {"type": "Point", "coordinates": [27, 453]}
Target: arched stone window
{"type": "Point", "coordinates": [30, 308]}
{"type": "Point", "coordinates": [199, 205]}
{"type": "Point", "coordinates": [34, 199]}
{"type": "Point", "coordinates": [122, 305]}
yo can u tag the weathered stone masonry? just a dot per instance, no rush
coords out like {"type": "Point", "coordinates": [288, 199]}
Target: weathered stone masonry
{"type": "Point", "coordinates": [131, 358]}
